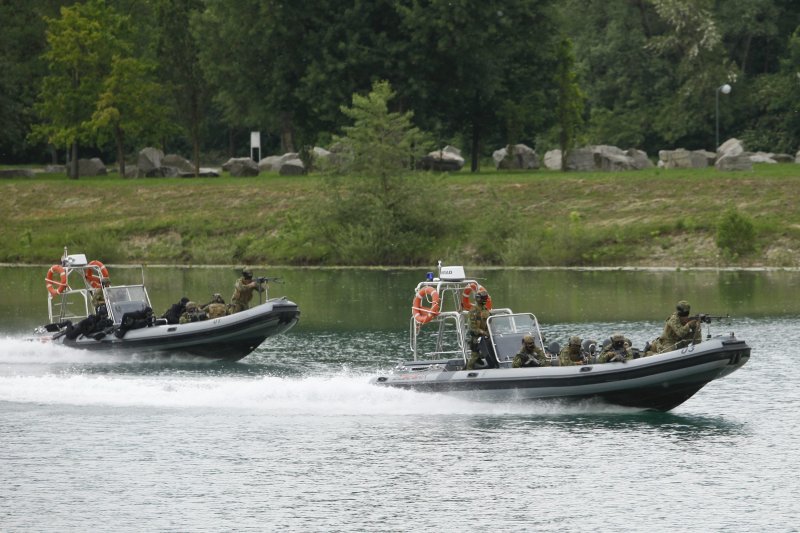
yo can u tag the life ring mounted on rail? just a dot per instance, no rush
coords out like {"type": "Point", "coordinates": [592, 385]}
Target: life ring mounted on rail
{"type": "Point", "coordinates": [56, 287]}
{"type": "Point", "coordinates": [91, 276]}
{"type": "Point", "coordinates": [466, 303]}
{"type": "Point", "coordinates": [421, 312]}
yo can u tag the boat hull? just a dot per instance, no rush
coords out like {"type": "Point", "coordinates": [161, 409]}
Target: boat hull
{"type": "Point", "coordinates": [660, 382]}
{"type": "Point", "coordinates": [228, 338]}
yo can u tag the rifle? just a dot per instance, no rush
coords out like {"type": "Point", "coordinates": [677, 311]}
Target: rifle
{"type": "Point", "coordinates": [706, 319]}
{"type": "Point", "coordinates": [267, 280]}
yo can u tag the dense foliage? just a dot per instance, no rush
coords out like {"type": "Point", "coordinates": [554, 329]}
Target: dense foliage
{"type": "Point", "coordinates": [197, 75]}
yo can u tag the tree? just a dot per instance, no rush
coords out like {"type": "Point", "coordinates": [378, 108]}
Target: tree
{"type": "Point", "coordinates": [131, 105]}
{"type": "Point", "coordinates": [569, 103]}
{"type": "Point", "coordinates": [178, 52]}
{"type": "Point", "coordinates": [475, 67]}
{"type": "Point", "coordinates": [80, 45]}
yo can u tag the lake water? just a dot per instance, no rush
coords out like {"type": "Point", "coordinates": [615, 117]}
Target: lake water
{"type": "Point", "coordinates": [294, 438]}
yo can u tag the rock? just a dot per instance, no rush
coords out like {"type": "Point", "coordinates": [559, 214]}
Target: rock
{"type": "Point", "coordinates": [149, 162]}
{"type": "Point", "coordinates": [270, 163]}
{"type": "Point", "coordinates": [91, 167]}
{"type": "Point", "coordinates": [241, 167]}
{"type": "Point", "coordinates": [639, 159]}
{"type": "Point", "coordinates": [734, 162]}
{"type": "Point", "coordinates": [517, 156]}
{"type": "Point", "coordinates": [682, 158]}
{"type": "Point", "coordinates": [763, 157]}
{"type": "Point", "coordinates": [581, 159]}
{"type": "Point", "coordinates": [783, 158]}
{"type": "Point", "coordinates": [448, 159]}
{"type": "Point", "coordinates": [55, 169]}
{"type": "Point", "coordinates": [552, 159]}
{"type": "Point", "coordinates": [16, 173]}
{"type": "Point", "coordinates": [292, 167]}
{"type": "Point", "coordinates": [204, 173]}
{"type": "Point", "coordinates": [730, 147]}
{"type": "Point", "coordinates": [175, 161]}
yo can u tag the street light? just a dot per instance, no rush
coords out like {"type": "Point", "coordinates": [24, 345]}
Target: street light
{"type": "Point", "coordinates": [724, 89]}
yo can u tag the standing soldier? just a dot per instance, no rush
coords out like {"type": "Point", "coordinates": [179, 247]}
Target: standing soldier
{"type": "Point", "coordinates": [529, 354]}
{"type": "Point", "coordinates": [243, 292]}
{"type": "Point", "coordinates": [479, 333]}
{"type": "Point", "coordinates": [571, 354]}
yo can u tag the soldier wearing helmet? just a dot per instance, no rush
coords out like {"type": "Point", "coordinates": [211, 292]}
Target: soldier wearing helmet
{"type": "Point", "coordinates": [243, 292]}
{"type": "Point", "coordinates": [529, 354]}
{"type": "Point", "coordinates": [619, 349]}
{"type": "Point", "coordinates": [680, 330]}
{"type": "Point", "coordinates": [482, 354]}
{"type": "Point", "coordinates": [216, 307]}
{"type": "Point", "coordinates": [99, 297]}
{"type": "Point", "coordinates": [571, 354]}
{"type": "Point", "coordinates": [192, 314]}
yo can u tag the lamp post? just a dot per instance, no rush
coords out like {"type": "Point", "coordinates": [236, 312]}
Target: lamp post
{"type": "Point", "coordinates": [724, 89]}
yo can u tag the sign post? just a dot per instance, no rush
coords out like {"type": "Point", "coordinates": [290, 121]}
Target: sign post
{"type": "Point", "coordinates": [255, 144]}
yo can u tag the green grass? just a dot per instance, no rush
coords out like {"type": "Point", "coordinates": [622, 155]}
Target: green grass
{"type": "Point", "coordinates": [537, 218]}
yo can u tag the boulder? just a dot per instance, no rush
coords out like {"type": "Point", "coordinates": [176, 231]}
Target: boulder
{"type": "Point", "coordinates": [763, 157]}
{"type": "Point", "coordinates": [517, 156]}
{"type": "Point", "coordinates": [552, 159]}
{"type": "Point", "coordinates": [91, 167]}
{"type": "Point", "coordinates": [611, 158]}
{"type": "Point", "coordinates": [292, 167]}
{"type": "Point", "coordinates": [682, 158]}
{"type": "Point", "coordinates": [734, 162]}
{"type": "Point", "coordinates": [16, 173]}
{"type": "Point", "coordinates": [730, 147]}
{"type": "Point", "coordinates": [241, 167]}
{"type": "Point", "coordinates": [797, 157]}
{"type": "Point", "coordinates": [639, 159]}
{"type": "Point", "coordinates": [175, 161]}
{"type": "Point", "coordinates": [448, 159]}
{"type": "Point", "coordinates": [204, 173]}
{"type": "Point", "coordinates": [581, 159]}
{"type": "Point", "coordinates": [269, 163]}
{"type": "Point", "coordinates": [149, 162]}
{"type": "Point", "coordinates": [783, 158]}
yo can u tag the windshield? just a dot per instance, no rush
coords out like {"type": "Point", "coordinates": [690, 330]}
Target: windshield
{"type": "Point", "coordinates": [507, 331]}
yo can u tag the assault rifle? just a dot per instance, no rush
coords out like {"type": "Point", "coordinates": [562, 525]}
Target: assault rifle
{"type": "Point", "coordinates": [706, 319]}
{"type": "Point", "coordinates": [268, 280]}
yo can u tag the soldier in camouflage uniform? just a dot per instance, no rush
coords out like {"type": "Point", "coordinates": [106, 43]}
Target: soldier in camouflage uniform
{"type": "Point", "coordinates": [243, 292]}
{"type": "Point", "coordinates": [679, 331]}
{"type": "Point", "coordinates": [618, 350]}
{"type": "Point", "coordinates": [571, 354]}
{"type": "Point", "coordinates": [529, 354]}
{"type": "Point", "coordinates": [216, 307]}
{"type": "Point", "coordinates": [99, 298]}
{"type": "Point", "coordinates": [478, 330]}
{"type": "Point", "coordinates": [192, 314]}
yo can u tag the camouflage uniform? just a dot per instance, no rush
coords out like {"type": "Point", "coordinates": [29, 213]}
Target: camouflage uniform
{"type": "Point", "coordinates": [192, 314]}
{"type": "Point", "coordinates": [478, 316]}
{"type": "Point", "coordinates": [529, 354]}
{"type": "Point", "coordinates": [243, 292]}
{"type": "Point", "coordinates": [618, 350]}
{"type": "Point", "coordinates": [678, 331]}
{"type": "Point", "coordinates": [98, 297]}
{"type": "Point", "coordinates": [571, 354]}
{"type": "Point", "coordinates": [216, 307]}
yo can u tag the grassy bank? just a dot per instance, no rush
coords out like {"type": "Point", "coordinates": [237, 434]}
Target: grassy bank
{"type": "Point", "coordinates": [540, 218]}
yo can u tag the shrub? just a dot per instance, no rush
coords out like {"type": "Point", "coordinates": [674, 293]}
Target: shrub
{"type": "Point", "coordinates": [736, 234]}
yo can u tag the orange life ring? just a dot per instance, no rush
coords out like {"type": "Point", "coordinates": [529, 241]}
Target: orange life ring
{"type": "Point", "coordinates": [91, 277]}
{"type": "Point", "coordinates": [56, 287]}
{"type": "Point", "coordinates": [466, 303]}
{"type": "Point", "coordinates": [424, 314]}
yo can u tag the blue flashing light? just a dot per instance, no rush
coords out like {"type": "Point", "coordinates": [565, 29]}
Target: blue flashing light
{"type": "Point", "coordinates": [429, 276]}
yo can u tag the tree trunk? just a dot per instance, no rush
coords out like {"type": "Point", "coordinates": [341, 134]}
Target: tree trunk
{"type": "Point", "coordinates": [119, 135]}
{"type": "Point", "coordinates": [476, 134]}
{"type": "Point", "coordinates": [73, 163]}
{"type": "Point", "coordinates": [287, 133]}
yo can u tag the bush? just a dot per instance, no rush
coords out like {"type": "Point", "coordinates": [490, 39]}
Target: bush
{"type": "Point", "coordinates": [736, 234]}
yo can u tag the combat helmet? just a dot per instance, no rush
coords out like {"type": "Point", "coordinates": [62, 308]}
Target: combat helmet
{"type": "Point", "coordinates": [575, 341]}
{"type": "Point", "coordinates": [528, 340]}
{"type": "Point", "coordinates": [683, 308]}
{"type": "Point", "coordinates": [481, 296]}
{"type": "Point", "coordinates": [247, 273]}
